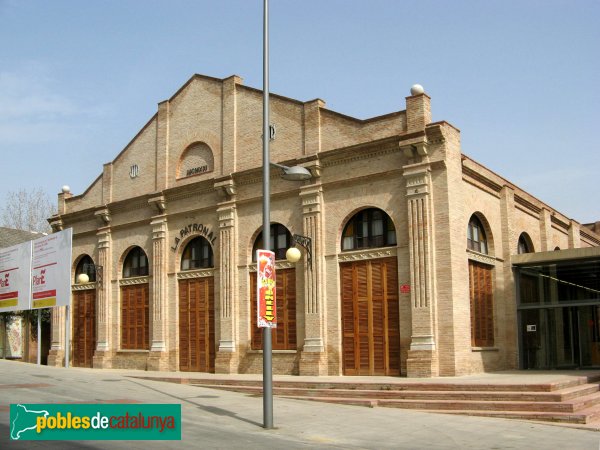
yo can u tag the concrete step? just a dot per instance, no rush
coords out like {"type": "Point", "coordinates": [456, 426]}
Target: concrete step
{"type": "Point", "coordinates": [573, 400]}
{"type": "Point", "coordinates": [584, 416]}
{"type": "Point", "coordinates": [558, 396]}
{"type": "Point", "coordinates": [570, 406]}
{"type": "Point", "coordinates": [567, 418]}
{"type": "Point", "coordinates": [589, 415]}
{"type": "Point", "coordinates": [399, 386]}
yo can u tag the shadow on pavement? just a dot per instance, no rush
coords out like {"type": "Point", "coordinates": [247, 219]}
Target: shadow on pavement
{"type": "Point", "coordinates": [209, 409]}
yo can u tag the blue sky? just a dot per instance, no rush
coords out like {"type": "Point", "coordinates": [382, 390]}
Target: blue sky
{"type": "Point", "coordinates": [78, 79]}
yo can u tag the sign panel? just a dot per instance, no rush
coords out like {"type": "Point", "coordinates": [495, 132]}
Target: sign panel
{"type": "Point", "coordinates": [15, 284]}
{"type": "Point", "coordinates": [51, 270]}
{"type": "Point", "coordinates": [265, 289]}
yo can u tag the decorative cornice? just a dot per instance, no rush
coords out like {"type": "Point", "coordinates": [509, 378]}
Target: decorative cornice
{"type": "Point", "coordinates": [279, 265]}
{"type": "Point", "coordinates": [358, 155]}
{"type": "Point", "coordinates": [359, 255]}
{"type": "Point", "coordinates": [468, 172]}
{"type": "Point", "coordinates": [559, 222]}
{"type": "Point", "coordinates": [480, 257]}
{"type": "Point", "coordinates": [83, 287]}
{"type": "Point", "coordinates": [589, 237]}
{"type": "Point", "coordinates": [181, 195]}
{"type": "Point", "coordinates": [201, 273]}
{"type": "Point", "coordinates": [255, 177]}
{"type": "Point", "coordinates": [521, 201]}
{"type": "Point", "coordinates": [133, 281]}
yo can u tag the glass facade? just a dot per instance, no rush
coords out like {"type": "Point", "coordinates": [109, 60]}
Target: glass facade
{"type": "Point", "coordinates": [559, 312]}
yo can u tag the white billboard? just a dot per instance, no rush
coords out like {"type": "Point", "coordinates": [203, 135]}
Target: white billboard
{"type": "Point", "coordinates": [51, 270]}
{"type": "Point", "coordinates": [15, 281]}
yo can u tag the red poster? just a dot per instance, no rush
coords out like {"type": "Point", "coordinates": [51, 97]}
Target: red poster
{"type": "Point", "coordinates": [265, 289]}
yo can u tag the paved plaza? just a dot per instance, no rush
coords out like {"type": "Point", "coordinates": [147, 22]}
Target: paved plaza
{"type": "Point", "coordinates": [214, 419]}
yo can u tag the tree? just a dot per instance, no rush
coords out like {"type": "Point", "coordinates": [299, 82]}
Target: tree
{"type": "Point", "coordinates": [27, 210]}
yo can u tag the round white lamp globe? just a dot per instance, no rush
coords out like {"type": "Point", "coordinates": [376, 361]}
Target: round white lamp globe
{"type": "Point", "coordinates": [416, 89]}
{"type": "Point", "coordinates": [66, 189]}
{"type": "Point", "coordinates": [83, 278]}
{"type": "Point", "coordinates": [293, 255]}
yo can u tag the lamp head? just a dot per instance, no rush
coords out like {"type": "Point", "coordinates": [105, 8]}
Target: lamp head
{"type": "Point", "coordinates": [296, 173]}
{"type": "Point", "coordinates": [83, 278]}
{"type": "Point", "coordinates": [293, 255]}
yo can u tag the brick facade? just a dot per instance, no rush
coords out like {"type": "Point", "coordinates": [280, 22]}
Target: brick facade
{"type": "Point", "coordinates": [400, 163]}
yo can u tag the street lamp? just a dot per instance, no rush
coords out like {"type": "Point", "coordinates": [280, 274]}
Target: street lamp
{"type": "Point", "coordinates": [289, 173]}
{"type": "Point", "coordinates": [294, 173]}
{"type": "Point", "coordinates": [267, 345]}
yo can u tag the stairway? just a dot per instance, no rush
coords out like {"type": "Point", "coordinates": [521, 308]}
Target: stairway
{"type": "Point", "coordinates": [575, 400]}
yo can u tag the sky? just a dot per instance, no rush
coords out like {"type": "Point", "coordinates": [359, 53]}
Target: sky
{"type": "Point", "coordinates": [79, 79]}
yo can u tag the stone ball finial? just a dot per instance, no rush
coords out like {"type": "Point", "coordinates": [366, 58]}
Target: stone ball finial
{"type": "Point", "coordinates": [66, 189]}
{"type": "Point", "coordinates": [416, 89]}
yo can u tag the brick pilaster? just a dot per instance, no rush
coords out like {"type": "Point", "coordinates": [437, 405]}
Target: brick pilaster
{"type": "Point", "coordinates": [422, 356]}
{"type": "Point", "coordinates": [227, 354]}
{"type": "Point", "coordinates": [313, 358]}
{"type": "Point", "coordinates": [158, 358]}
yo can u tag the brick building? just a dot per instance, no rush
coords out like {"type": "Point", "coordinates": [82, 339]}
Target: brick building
{"type": "Point", "coordinates": [411, 243]}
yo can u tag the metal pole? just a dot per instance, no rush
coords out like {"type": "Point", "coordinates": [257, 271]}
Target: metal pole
{"type": "Point", "coordinates": [266, 232]}
{"type": "Point", "coordinates": [39, 338]}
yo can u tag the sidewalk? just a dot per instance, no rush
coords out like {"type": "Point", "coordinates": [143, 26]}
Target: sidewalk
{"type": "Point", "coordinates": [219, 419]}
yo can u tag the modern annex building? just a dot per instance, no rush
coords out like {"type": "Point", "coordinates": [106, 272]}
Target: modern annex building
{"type": "Point", "coordinates": [409, 270]}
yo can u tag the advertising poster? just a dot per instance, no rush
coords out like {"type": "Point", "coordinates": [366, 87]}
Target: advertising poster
{"type": "Point", "coordinates": [14, 346]}
{"type": "Point", "coordinates": [15, 284]}
{"type": "Point", "coordinates": [265, 289]}
{"type": "Point", "coordinates": [51, 270]}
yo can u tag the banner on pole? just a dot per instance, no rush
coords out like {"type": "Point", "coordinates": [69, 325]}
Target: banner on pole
{"type": "Point", "coordinates": [51, 270]}
{"type": "Point", "coordinates": [15, 281]}
{"type": "Point", "coordinates": [265, 289]}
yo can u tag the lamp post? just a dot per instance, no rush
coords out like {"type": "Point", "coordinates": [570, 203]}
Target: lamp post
{"type": "Point", "coordinates": [295, 173]}
{"type": "Point", "coordinates": [267, 345]}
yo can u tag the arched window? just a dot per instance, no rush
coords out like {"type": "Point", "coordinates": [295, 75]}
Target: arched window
{"type": "Point", "coordinates": [86, 265]}
{"type": "Point", "coordinates": [198, 254]}
{"type": "Point", "coordinates": [281, 240]}
{"type": "Point", "coordinates": [369, 228]}
{"type": "Point", "coordinates": [524, 245]}
{"type": "Point", "coordinates": [136, 263]}
{"type": "Point", "coordinates": [476, 239]}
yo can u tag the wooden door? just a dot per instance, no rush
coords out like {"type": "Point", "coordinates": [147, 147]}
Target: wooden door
{"type": "Point", "coordinates": [135, 317]}
{"type": "Point", "coordinates": [196, 325]}
{"type": "Point", "coordinates": [370, 317]}
{"type": "Point", "coordinates": [84, 327]}
{"type": "Point", "coordinates": [482, 304]}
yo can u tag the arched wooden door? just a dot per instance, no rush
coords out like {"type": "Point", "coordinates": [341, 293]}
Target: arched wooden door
{"type": "Point", "coordinates": [196, 325]}
{"type": "Point", "coordinates": [370, 317]}
{"type": "Point", "coordinates": [84, 327]}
